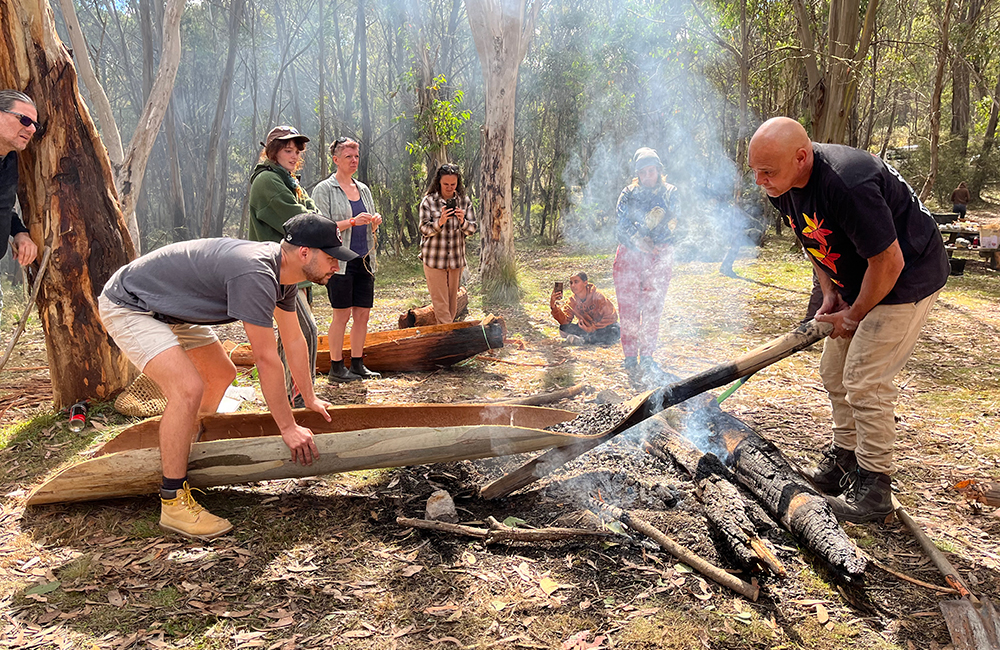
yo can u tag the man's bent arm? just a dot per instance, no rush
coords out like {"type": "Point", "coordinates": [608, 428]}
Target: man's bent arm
{"type": "Point", "coordinates": [881, 276]}
{"type": "Point", "coordinates": [272, 384]}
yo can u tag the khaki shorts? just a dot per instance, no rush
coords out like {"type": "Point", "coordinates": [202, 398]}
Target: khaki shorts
{"type": "Point", "coordinates": [141, 337]}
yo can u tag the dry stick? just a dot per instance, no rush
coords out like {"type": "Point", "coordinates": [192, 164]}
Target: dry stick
{"type": "Point", "coordinates": [682, 553]}
{"type": "Point", "coordinates": [500, 533]}
{"type": "Point", "coordinates": [519, 363]}
{"type": "Point", "coordinates": [27, 308]}
{"type": "Point", "coordinates": [546, 398]}
{"type": "Point", "coordinates": [912, 580]}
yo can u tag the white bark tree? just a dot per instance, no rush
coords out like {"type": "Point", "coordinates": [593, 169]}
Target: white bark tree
{"type": "Point", "coordinates": [130, 165]}
{"type": "Point", "coordinates": [833, 75]}
{"type": "Point", "coordinates": [502, 31]}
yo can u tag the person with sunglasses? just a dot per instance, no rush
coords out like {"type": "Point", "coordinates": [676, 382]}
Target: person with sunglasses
{"type": "Point", "coordinates": [349, 202]}
{"type": "Point", "coordinates": [275, 197]}
{"type": "Point", "coordinates": [17, 124]}
{"type": "Point", "coordinates": [445, 221]}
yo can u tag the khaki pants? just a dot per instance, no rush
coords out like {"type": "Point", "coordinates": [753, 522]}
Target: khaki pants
{"type": "Point", "coordinates": [858, 373]}
{"type": "Point", "coordinates": [443, 286]}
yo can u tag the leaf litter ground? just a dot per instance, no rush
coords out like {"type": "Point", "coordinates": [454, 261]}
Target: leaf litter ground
{"type": "Point", "coordinates": [321, 562]}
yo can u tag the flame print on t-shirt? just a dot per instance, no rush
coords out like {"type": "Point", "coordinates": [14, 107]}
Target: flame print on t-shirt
{"type": "Point", "coordinates": [814, 229]}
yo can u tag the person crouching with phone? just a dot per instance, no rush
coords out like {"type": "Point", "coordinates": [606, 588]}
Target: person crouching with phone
{"type": "Point", "coordinates": [446, 219]}
{"type": "Point", "coordinates": [597, 320]}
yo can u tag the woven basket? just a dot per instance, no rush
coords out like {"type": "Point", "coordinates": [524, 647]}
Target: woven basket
{"type": "Point", "coordinates": [142, 399]}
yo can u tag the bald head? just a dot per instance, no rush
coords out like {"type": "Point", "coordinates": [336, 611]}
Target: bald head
{"type": "Point", "coordinates": [780, 155]}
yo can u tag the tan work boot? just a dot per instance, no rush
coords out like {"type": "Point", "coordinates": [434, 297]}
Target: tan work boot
{"type": "Point", "coordinates": [184, 516]}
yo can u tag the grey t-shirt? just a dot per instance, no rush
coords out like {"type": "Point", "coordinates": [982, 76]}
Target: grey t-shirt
{"type": "Point", "coordinates": [206, 282]}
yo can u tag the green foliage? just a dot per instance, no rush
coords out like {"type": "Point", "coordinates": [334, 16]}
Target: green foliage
{"type": "Point", "coordinates": [440, 126]}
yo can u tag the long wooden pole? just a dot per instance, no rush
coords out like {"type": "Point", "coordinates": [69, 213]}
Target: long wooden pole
{"type": "Point", "coordinates": [648, 404]}
{"type": "Point", "coordinates": [27, 309]}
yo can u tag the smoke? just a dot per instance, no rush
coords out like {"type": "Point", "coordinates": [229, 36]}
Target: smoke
{"type": "Point", "coordinates": [673, 107]}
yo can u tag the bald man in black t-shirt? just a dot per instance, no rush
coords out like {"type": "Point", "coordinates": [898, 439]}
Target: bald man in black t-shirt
{"type": "Point", "coordinates": [881, 264]}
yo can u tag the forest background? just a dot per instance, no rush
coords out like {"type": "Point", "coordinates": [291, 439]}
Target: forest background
{"type": "Point", "coordinates": [691, 79]}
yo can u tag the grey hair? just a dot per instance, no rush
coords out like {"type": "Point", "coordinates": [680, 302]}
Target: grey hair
{"type": "Point", "coordinates": [10, 97]}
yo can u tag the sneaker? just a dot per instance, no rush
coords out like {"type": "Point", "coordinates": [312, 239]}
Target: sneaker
{"type": "Point", "coordinates": [868, 498]}
{"type": "Point", "coordinates": [574, 339]}
{"type": "Point", "coordinates": [184, 516]}
{"type": "Point", "coordinates": [832, 473]}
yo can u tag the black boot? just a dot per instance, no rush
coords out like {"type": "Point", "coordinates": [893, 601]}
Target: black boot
{"type": "Point", "coordinates": [340, 374]}
{"type": "Point", "coordinates": [358, 368]}
{"type": "Point", "coordinates": [831, 474]}
{"type": "Point", "coordinates": [868, 498]}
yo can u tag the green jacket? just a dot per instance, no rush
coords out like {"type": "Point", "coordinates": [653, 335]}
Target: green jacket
{"type": "Point", "coordinates": [273, 201]}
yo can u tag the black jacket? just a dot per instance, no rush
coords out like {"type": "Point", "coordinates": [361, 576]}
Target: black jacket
{"type": "Point", "coordinates": [10, 223]}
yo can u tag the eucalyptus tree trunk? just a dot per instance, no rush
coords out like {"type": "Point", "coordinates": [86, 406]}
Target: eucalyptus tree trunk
{"type": "Point", "coordinates": [942, 62]}
{"type": "Point", "coordinates": [68, 197]}
{"type": "Point", "coordinates": [833, 75]}
{"type": "Point", "coordinates": [366, 117]}
{"type": "Point", "coordinates": [501, 30]}
{"type": "Point", "coordinates": [235, 11]}
{"type": "Point", "coordinates": [112, 138]}
{"type": "Point", "coordinates": [128, 180]}
{"type": "Point", "coordinates": [982, 162]}
{"type": "Point", "coordinates": [324, 170]}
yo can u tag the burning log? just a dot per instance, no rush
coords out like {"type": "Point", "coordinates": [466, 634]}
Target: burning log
{"type": "Point", "coordinates": [760, 467]}
{"type": "Point", "coordinates": [680, 552]}
{"type": "Point", "coordinates": [737, 521]}
{"type": "Point", "coordinates": [424, 316]}
{"type": "Point", "coordinates": [597, 426]}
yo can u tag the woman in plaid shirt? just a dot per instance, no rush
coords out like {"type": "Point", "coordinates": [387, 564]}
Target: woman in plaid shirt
{"type": "Point", "coordinates": [446, 219]}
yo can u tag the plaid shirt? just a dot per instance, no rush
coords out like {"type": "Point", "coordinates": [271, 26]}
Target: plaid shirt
{"type": "Point", "coordinates": [443, 247]}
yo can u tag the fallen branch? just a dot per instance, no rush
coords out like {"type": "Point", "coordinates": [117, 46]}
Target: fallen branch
{"type": "Point", "coordinates": [519, 363]}
{"type": "Point", "coordinates": [912, 580]}
{"type": "Point", "coordinates": [27, 308]}
{"type": "Point", "coordinates": [27, 368]}
{"type": "Point", "coordinates": [685, 555]}
{"type": "Point", "coordinates": [547, 398]}
{"type": "Point", "coordinates": [497, 532]}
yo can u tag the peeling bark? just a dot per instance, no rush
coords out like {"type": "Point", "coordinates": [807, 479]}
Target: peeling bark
{"type": "Point", "coordinates": [69, 202]}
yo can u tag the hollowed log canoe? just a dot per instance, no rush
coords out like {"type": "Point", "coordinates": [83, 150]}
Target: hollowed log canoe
{"type": "Point", "coordinates": [244, 447]}
{"type": "Point", "coordinates": [407, 350]}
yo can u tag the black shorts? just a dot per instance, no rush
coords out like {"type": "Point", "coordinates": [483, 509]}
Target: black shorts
{"type": "Point", "coordinates": [355, 288]}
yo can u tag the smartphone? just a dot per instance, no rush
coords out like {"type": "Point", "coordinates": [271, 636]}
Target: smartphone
{"type": "Point", "coordinates": [451, 204]}
{"type": "Point", "coordinates": [559, 287]}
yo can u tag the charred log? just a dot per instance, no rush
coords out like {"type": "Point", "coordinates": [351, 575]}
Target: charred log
{"type": "Point", "coordinates": [760, 467]}
{"type": "Point", "coordinates": [737, 522]}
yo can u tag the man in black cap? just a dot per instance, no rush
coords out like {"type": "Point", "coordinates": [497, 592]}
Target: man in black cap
{"type": "Point", "coordinates": [159, 309]}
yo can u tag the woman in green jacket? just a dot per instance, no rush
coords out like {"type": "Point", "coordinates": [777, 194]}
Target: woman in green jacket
{"type": "Point", "coordinates": [276, 197]}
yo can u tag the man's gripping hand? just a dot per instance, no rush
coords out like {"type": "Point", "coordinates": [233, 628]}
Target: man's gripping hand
{"type": "Point", "coordinates": [300, 441]}
{"type": "Point", "coordinates": [320, 406]}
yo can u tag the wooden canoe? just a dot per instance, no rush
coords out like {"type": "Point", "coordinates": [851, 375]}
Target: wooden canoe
{"type": "Point", "coordinates": [407, 350]}
{"type": "Point", "coordinates": [244, 447]}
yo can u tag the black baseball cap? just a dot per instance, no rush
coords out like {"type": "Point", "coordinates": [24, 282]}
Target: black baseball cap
{"type": "Point", "coordinates": [313, 230]}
